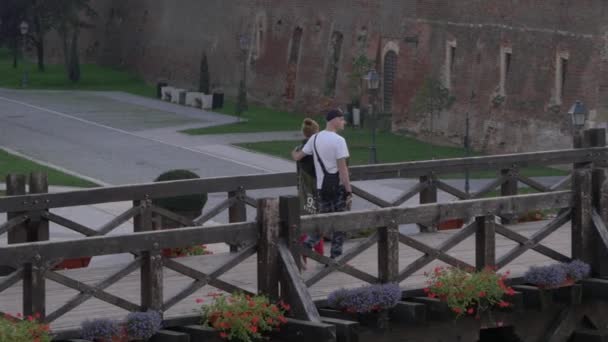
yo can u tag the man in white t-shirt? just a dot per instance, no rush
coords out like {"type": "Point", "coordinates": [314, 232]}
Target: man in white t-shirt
{"type": "Point", "coordinates": [333, 183]}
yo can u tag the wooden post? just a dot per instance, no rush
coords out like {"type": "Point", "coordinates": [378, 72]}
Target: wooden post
{"type": "Point", "coordinates": [15, 185]}
{"type": "Point", "coordinates": [388, 253]}
{"type": "Point", "coordinates": [485, 242]}
{"type": "Point", "coordinates": [268, 258]}
{"type": "Point", "coordinates": [237, 212]}
{"type": "Point", "coordinates": [151, 262]}
{"type": "Point", "coordinates": [602, 209]}
{"type": "Point", "coordinates": [428, 195]}
{"type": "Point", "coordinates": [34, 287]}
{"type": "Point", "coordinates": [583, 244]}
{"type": "Point", "coordinates": [508, 188]}
{"type": "Point", "coordinates": [289, 215]}
{"type": "Point", "coordinates": [596, 137]}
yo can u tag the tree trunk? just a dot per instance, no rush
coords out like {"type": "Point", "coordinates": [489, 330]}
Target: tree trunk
{"type": "Point", "coordinates": [40, 53]}
{"type": "Point", "coordinates": [74, 71]}
{"type": "Point", "coordinates": [66, 49]}
{"type": "Point", "coordinates": [39, 43]}
{"type": "Point", "coordinates": [15, 52]}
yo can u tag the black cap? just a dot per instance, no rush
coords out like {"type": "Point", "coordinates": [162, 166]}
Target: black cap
{"type": "Point", "coordinates": [332, 114]}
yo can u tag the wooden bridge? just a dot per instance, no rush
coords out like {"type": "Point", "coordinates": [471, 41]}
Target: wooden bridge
{"type": "Point", "coordinates": [268, 258]}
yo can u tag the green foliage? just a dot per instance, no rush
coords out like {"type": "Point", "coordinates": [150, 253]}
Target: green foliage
{"type": "Point", "coordinates": [361, 65]}
{"type": "Point", "coordinates": [243, 318]}
{"type": "Point", "coordinates": [69, 18]}
{"type": "Point", "coordinates": [12, 164]}
{"type": "Point", "coordinates": [241, 101]}
{"type": "Point", "coordinates": [203, 83]}
{"type": "Point", "coordinates": [432, 98]}
{"type": "Point", "coordinates": [468, 292]}
{"type": "Point", "coordinates": [194, 202]}
{"type": "Point", "coordinates": [257, 119]}
{"type": "Point", "coordinates": [96, 78]}
{"type": "Point", "coordinates": [14, 329]}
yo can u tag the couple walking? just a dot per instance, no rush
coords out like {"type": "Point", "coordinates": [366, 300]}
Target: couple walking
{"type": "Point", "coordinates": [324, 181]}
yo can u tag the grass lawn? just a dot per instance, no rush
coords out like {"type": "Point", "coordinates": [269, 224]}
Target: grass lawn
{"type": "Point", "coordinates": [259, 119]}
{"type": "Point", "coordinates": [93, 77]}
{"type": "Point", "coordinates": [391, 148]}
{"type": "Point", "coordinates": [10, 163]}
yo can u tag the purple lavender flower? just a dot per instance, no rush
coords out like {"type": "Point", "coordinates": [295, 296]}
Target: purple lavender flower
{"type": "Point", "coordinates": [551, 275]}
{"type": "Point", "coordinates": [577, 269]}
{"type": "Point", "coordinates": [143, 325]}
{"type": "Point", "coordinates": [366, 299]}
{"type": "Point", "coordinates": [100, 329]}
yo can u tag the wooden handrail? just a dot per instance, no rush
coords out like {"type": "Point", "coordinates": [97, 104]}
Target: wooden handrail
{"type": "Point", "coordinates": [19, 253]}
{"type": "Point", "coordinates": [376, 218]}
{"type": "Point", "coordinates": [267, 181]}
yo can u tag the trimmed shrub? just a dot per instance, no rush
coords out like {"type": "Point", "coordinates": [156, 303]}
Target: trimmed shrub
{"type": "Point", "coordinates": [194, 202]}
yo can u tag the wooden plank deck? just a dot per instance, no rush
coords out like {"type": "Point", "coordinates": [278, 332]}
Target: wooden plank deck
{"type": "Point", "coordinates": [244, 275]}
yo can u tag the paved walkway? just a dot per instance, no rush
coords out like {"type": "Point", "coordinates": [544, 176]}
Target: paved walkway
{"type": "Point", "coordinates": [118, 138]}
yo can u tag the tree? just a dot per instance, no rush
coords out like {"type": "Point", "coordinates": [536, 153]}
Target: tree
{"type": "Point", "coordinates": [361, 65]}
{"type": "Point", "coordinates": [431, 99]}
{"type": "Point", "coordinates": [203, 84]}
{"type": "Point", "coordinates": [69, 18]}
{"type": "Point", "coordinates": [42, 15]}
{"type": "Point", "coordinates": [12, 13]}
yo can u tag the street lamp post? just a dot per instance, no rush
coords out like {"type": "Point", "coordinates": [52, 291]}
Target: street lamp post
{"type": "Point", "coordinates": [373, 84]}
{"type": "Point", "coordinates": [578, 113]}
{"type": "Point", "coordinates": [24, 27]}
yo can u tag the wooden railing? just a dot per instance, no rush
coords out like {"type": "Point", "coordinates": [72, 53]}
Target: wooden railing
{"type": "Point", "coordinates": [274, 233]}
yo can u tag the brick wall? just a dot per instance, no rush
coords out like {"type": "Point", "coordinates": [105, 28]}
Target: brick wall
{"type": "Point", "coordinates": [164, 40]}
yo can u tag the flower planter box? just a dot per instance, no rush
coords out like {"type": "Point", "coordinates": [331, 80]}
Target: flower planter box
{"type": "Point", "coordinates": [160, 336]}
{"type": "Point", "coordinates": [294, 331]}
{"type": "Point", "coordinates": [450, 224]}
{"type": "Point", "coordinates": [375, 320]}
{"type": "Point", "coordinates": [535, 297]}
{"type": "Point", "coordinates": [73, 263]}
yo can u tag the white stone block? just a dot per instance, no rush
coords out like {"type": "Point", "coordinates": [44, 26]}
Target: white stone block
{"type": "Point", "coordinates": [178, 96]}
{"type": "Point", "coordinates": [207, 101]}
{"type": "Point", "coordinates": [167, 93]}
{"type": "Point", "coordinates": [193, 99]}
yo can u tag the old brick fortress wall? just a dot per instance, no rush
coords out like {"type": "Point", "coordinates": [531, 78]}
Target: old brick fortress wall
{"type": "Point", "coordinates": [302, 52]}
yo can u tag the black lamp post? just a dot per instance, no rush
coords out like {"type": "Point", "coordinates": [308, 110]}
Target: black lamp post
{"type": "Point", "coordinates": [373, 84]}
{"type": "Point", "coordinates": [23, 28]}
{"type": "Point", "coordinates": [578, 113]}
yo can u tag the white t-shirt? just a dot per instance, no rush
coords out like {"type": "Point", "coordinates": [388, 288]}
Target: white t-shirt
{"type": "Point", "coordinates": [331, 147]}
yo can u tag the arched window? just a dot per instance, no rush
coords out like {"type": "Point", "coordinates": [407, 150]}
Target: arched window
{"type": "Point", "coordinates": [390, 71]}
{"type": "Point", "coordinates": [331, 73]}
